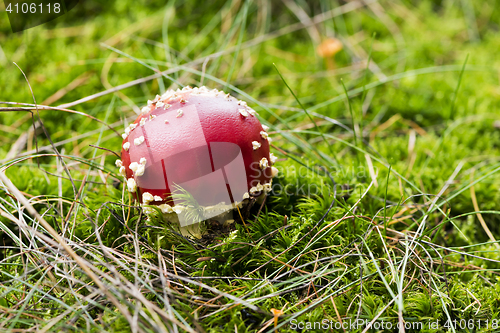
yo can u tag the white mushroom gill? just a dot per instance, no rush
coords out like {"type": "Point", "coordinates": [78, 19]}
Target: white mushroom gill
{"type": "Point", "coordinates": [165, 208]}
{"type": "Point", "coordinates": [147, 198]}
{"type": "Point", "coordinates": [256, 145]}
{"type": "Point", "coordinates": [273, 158]}
{"type": "Point", "coordinates": [131, 185]}
{"type": "Point", "coordinates": [133, 166]}
{"type": "Point", "coordinates": [264, 163]}
{"type": "Point", "coordinates": [274, 172]}
{"type": "Point", "coordinates": [257, 188]}
{"type": "Point", "coordinates": [243, 112]}
{"type": "Point", "coordinates": [139, 140]}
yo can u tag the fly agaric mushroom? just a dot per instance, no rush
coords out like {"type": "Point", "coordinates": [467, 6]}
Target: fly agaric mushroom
{"type": "Point", "coordinates": [206, 144]}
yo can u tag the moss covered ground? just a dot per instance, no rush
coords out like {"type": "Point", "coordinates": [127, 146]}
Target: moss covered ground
{"type": "Point", "coordinates": [385, 212]}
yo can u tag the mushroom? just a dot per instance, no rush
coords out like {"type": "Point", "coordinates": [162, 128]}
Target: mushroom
{"type": "Point", "coordinates": [328, 49]}
{"type": "Point", "coordinates": [197, 154]}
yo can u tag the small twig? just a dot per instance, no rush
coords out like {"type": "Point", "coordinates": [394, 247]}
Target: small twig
{"type": "Point", "coordinates": [479, 216]}
{"type": "Point", "coordinates": [106, 149]}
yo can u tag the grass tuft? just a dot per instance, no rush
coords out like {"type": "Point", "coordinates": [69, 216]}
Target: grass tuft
{"type": "Point", "coordinates": [386, 204]}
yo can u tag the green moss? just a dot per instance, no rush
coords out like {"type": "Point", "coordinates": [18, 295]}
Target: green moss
{"type": "Point", "coordinates": [348, 263]}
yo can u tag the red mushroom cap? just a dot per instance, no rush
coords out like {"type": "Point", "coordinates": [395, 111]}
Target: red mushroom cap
{"type": "Point", "coordinates": [203, 141]}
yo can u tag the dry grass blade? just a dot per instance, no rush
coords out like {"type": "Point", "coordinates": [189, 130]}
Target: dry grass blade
{"type": "Point", "coordinates": [84, 265]}
{"type": "Point", "coordinates": [479, 216]}
{"type": "Point", "coordinates": [78, 251]}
